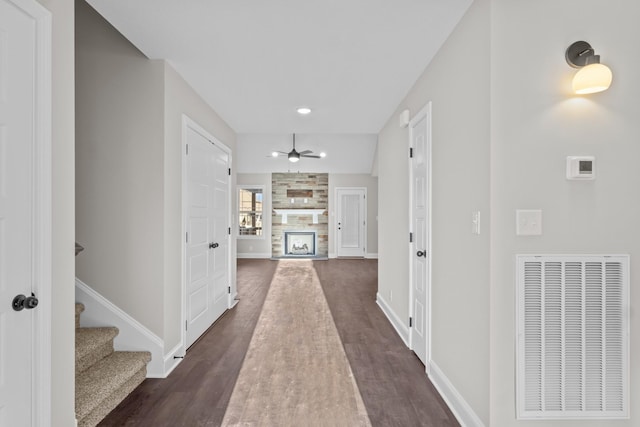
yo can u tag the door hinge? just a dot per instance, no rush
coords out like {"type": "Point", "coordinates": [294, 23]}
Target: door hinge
{"type": "Point", "coordinates": [410, 321]}
{"type": "Point", "coordinates": [187, 237]}
{"type": "Point", "coordinates": [229, 231]}
{"type": "Point", "coordinates": [186, 325]}
{"type": "Point", "coordinates": [410, 237]}
{"type": "Point", "coordinates": [229, 171]}
{"type": "Point", "coordinates": [187, 153]}
{"type": "Point", "coordinates": [229, 287]}
{"type": "Point", "coordinates": [411, 152]}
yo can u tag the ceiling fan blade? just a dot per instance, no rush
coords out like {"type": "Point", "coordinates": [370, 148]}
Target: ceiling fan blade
{"type": "Point", "coordinates": [310, 157]}
{"type": "Point", "coordinates": [306, 152]}
{"type": "Point", "coordinates": [282, 152]}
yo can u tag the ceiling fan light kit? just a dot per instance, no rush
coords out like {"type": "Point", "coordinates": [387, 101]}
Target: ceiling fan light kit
{"type": "Point", "coordinates": [295, 156]}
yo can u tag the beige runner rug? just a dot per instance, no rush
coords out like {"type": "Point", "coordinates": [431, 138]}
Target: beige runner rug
{"type": "Point", "coordinates": [295, 372]}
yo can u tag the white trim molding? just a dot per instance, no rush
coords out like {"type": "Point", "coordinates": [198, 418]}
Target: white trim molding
{"type": "Point", "coordinates": [401, 328]}
{"type": "Point", "coordinates": [313, 212]}
{"type": "Point", "coordinates": [254, 255]}
{"type": "Point", "coordinates": [371, 256]}
{"type": "Point", "coordinates": [132, 336]}
{"type": "Point", "coordinates": [454, 400]}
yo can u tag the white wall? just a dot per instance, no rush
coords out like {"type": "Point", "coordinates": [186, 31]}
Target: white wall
{"type": "Point", "coordinates": [179, 99]}
{"type": "Point", "coordinates": [355, 180]}
{"type": "Point", "coordinates": [536, 123]}
{"type": "Point", "coordinates": [257, 248]}
{"type": "Point", "coordinates": [129, 165]}
{"type": "Point", "coordinates": [120, 169]}
{"type": "Point", "coordinates": [457, 83]}
{"type": "Point", "coordinates": [63, 221]}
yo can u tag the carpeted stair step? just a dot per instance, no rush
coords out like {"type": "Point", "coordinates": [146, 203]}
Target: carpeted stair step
{"type": "Point", "coordinates": [92, 345]}
{"type": "Point", "coordinates": [79, 309]}
{"type": "Point", "coordinates": [104, 385]}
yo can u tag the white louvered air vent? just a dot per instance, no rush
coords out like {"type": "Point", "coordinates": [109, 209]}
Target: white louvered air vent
{"type": "Point", "coordinates": [573, 336]}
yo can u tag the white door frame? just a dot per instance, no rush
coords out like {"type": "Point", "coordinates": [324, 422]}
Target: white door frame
{"type": "Point", "coordinates": [188, 123]}
{"type": "Point", "coordinates": [366, 218]}
{"type": "Point", "coordinates": [42, 213]}
{"type": "Point", "coordinates": [424, 112]}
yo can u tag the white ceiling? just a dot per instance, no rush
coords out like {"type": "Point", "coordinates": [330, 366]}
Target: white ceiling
{"type": "Point", "coordinates": [255, 61]}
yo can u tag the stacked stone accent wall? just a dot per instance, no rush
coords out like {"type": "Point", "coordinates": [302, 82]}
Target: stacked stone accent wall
{"type": "Point", "coordinates": [319, 184]}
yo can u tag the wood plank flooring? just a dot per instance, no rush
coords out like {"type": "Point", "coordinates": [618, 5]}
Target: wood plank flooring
{"type": "Point", "coordinates": [394, 388]}
{"type": "Point", "coordinates": [391, 379]}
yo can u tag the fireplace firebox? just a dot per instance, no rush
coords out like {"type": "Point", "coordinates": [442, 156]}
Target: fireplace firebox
{"type": "Point", "coordinates": [299, 243]}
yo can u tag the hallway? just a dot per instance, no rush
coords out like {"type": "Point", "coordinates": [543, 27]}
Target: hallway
{"type": "Point", "coordinates": [394, 388]}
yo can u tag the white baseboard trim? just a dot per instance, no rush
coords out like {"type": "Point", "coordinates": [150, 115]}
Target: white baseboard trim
{"type": "Point", "coordinates": [460, 408]}
{"type": "Point", "coordinates": [170, 361]}
{"type": "Point", "coordinates": [399, 326]}
{"type": "Point", "coordinates": [366, 256]}
{"type": "Point", "coordinates": [233, 300]}
{"type": "Point", "coordinates": [254, 255]}
{"type": "Point", "coordinates": [132, 336]}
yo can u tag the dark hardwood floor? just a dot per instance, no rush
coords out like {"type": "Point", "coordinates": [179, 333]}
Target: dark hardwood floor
{"type": "Point", "coordinates": [394, 387]}
{"type": "Point", "coordinates": [391, 379]}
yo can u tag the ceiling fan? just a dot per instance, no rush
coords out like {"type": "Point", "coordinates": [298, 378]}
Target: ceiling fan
{"type": "Point", "coordinates": [294, 155]}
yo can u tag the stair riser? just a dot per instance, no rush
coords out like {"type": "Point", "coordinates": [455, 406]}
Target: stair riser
{"type": "Point", "coordinates": [93, 418]}
{"type": "Point", "coordinates": [96, 355]}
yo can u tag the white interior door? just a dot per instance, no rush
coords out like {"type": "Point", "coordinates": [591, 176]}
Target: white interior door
{"type": "Point", "coordinates": [351, 225]}
{"type": "Point", "coordinates": [207, 238]}
{"type": "Point", "coordinates": [24, 230]}
{"type": "Point", "coordinates": [419, 130]}
{"type": "Point", "coordinates": [220, 232]}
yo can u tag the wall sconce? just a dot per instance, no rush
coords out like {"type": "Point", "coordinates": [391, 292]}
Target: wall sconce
{"type": "Point", "coordinates": [592, 76]}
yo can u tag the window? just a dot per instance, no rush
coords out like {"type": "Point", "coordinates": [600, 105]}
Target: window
{"type": "Point", "coordinates": [250, 211]}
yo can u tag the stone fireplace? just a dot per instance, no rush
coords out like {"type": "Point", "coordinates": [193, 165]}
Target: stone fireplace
{"type": "Point", "coordinates": [300, 215]}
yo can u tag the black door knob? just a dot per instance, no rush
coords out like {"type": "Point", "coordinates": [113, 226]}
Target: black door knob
{"type": "Point", "coordinates": [422, 253]}
{"type": "Point", "coordinates": [31, 302]}
{"type": "Point", "coordinates": [213, 245]}
{"type": "Point", "coordinates": [18, 302]}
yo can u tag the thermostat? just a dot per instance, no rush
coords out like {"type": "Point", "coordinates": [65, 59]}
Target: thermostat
{"type": "Point", "coordinates": [581, 167]}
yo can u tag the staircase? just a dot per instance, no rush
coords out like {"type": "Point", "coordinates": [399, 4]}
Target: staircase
{"type": "Point", "coordinates": [104, 377]}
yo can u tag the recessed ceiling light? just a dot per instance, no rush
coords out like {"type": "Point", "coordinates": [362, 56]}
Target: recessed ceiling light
{"type": "Point", "coordinates": [323, 154]}
{"type": "Point", "coordinates": [274, 154]}
{"type": "Point", "coordinates": [304, 110]}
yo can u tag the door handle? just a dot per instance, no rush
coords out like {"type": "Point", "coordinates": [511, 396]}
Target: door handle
{"type": "Point", "coordinates": [20, 302]}
{"type": "Point", "coordinates": [213, 245]}
{"type": "Point", "coordinates": [422, 253]}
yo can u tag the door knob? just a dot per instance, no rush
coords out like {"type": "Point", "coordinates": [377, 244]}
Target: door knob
{"type": "Point", "coordinates": [20, 302]}
{"type": "Point", "coordinates": [422, 253]}
{"type": "Point", "coordinates": [31, 302]}
{"type": "Point", "coordinates": [213, 245]}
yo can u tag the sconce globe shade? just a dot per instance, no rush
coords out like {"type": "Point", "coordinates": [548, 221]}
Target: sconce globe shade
{"type": "Point", "coordinates": [592, 78]}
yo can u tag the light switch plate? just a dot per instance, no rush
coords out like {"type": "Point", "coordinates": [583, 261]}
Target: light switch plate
{"type": "Point", "coordinates": [528, 222]}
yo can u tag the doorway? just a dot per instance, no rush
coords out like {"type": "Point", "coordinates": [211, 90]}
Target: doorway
{"type": "Point", "coordinates": [207, 228]}
{"type": "Point", "coordinates": [351, 222]}
{"type": "Point", "coordinates": [420, 245]}
{"type": "Point", "coordinates": [25, 213]}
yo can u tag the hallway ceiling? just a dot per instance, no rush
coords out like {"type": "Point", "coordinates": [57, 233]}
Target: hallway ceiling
{"type": "Point", "coordinates": [255, 62]}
